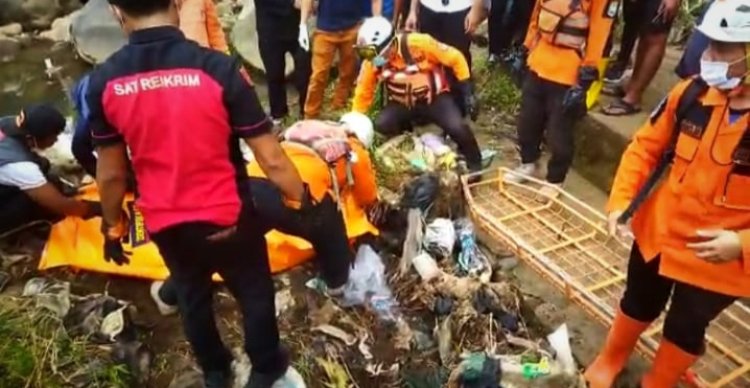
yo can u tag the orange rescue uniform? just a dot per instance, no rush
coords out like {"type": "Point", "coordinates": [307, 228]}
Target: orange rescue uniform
{"type": "Point", "coordinates": [560, 64]}
{"type": "Point", "coordinates": [316, 173]}
{"type": "Point", "coordinates": [200, 23]}
{"type": "Point", "coordinates": [701, 192]}
{"type": "Point", "coordinates": [427, 54]}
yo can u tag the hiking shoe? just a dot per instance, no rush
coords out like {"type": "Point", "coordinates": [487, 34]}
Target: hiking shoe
{"type": "Point", "coordinates": [493, 59]}
{"type": "Point", "coordinates": [217, 379]}
{"type": "Point", "coordinates": [520, 173]}
{"type": "Point", "coordinates": [290, 379]}
{"type": "Point", "coordinates": [615, 72]}
{"type": "Point", "coordinates": [164, 308]}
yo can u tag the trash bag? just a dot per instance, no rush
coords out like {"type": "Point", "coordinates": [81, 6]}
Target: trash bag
{"type": "Point", "coordinates": [367, 285]}
{"type": "Point", "coordinates": [49, 294]}
{"type": "Point", "coordinates": [480, 371]}
{"type": "Point", "coordinates": [421, 192]}
{"type": "Point", "coordinates": [440, 237]}
{"type": "Point", "coordinates": [471, 260]}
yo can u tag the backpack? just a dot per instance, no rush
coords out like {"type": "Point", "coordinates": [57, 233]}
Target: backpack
{"type": "Point", "coordinates": [689, 98]}
{"type": "Point", "coordinates": [330, 143]}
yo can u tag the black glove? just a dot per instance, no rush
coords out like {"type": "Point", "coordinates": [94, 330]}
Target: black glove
{"type": "Point", "coordinates": [94, 209]}
{"type": "Point", "coordinates": [574, 101]}
{"type": "Point", "coordinates": [113, 252]}
{"type": "Point", "coordinates": [516, 62]}
{"type": "Point", "coordinates": [113, 237]}
{"type": "Point", "coordinates": [470, 106]}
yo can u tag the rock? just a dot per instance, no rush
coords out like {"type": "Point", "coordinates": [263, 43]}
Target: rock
{"type": "Point", "coordinates": [12, 29]}
{"type": "Point", "coordinates": [9, 48]}
{"type": "Point", "coordinates": [60, 30]}
{"type": "Point", "coordinates": [507, 264]}
{"type": "Point", "coordinates": [549, 315]}
{"type": "Point", "coordinates": [35, 14]}
{"type": "Point", "coordinates": [95, 32]}
{"type": "Point", "coordinates": [244, 39]}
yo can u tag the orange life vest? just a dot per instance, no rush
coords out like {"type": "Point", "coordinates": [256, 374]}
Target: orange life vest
{"type": "Point", "coordinates": [564, 23]}
{"type": "Point", "coordinates": [412, 85]}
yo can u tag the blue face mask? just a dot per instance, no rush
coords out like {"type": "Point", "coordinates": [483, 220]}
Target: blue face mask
{"type": "Point", "coordinates": [379, 61]}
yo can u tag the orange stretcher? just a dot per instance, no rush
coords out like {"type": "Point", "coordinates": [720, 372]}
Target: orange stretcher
{"type": "Point", "coordinates": [565, 241]}
{"type": "Point", "coordinates": [78, 244]}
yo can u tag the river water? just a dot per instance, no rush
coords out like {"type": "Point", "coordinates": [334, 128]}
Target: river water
{"type": "Point", "coordinates": [24, 80]}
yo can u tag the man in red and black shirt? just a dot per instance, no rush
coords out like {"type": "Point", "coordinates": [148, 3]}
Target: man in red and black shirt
{"type": "Point", "coordinates": [180, 109]}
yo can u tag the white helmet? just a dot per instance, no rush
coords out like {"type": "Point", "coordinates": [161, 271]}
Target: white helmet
{"type": "Point", "coordinates": [360, 125]}
{"type": "Point", "coordinates": [375, 31]}
{"type": "Point", "coordinates": [727, 21]}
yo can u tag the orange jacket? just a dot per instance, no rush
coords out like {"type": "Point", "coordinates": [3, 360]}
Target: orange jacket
{"type": "Point", "coordinates": [315, 172]}
{"type": "Point", "coordinates": [427, 54]}
{"type": "Point", "coordinates": [560, 64]}
{"type": "Point", "coordinates": [199, 22]}
{"type": "Point", "coordinates": [701, 192]}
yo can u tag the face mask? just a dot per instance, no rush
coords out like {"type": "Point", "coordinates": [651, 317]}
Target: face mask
{"type": "Point", "coordinates": [716, 75]}
{"type": "Point", "coordinates": [379, 61]}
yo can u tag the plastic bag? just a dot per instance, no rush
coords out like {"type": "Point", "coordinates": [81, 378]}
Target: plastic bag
{"type": "Point", "coordinates": [471, 260]}
{"type": "Point", "coordinates": [421, 192]}
{"type": "Point", "coordinates": [367, 285]}
{"type": "Point", "coordinates": [440, 237]}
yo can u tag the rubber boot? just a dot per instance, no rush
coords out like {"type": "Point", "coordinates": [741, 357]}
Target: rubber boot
{"type": "Point", "coordinates": [669, 366]}
{"type": "Point", "coordinates": [618, 346]}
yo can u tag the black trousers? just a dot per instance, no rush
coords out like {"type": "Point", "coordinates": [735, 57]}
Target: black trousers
{"type": "Point", "coordinates": [18, 209]}
{"type": "Point", "coordinates": [242, 261]}
{"type": "Point", "coordinates": [507, 24]}
{"type": "Point", "coordinates": [273, 49]}
{"type": "Point", "coordinates": [443, 112]}
{"type": "Point", "coordinates": [541, 108]}
{"type": "Point", "coordinates": [690, 313]}
{"type": "Point", "coordinates": [449, 29]}
{"type": "Point", "coordinates": [327, 234]}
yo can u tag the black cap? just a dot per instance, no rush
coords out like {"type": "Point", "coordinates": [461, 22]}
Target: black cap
{"type": "Point", "coordinates": [40, 121]}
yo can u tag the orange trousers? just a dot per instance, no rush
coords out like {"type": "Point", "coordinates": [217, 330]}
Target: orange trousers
{"type": "Point", "coordinates": [325, 45]}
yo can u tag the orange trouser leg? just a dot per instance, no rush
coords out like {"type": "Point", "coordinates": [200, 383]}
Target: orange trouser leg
{"type": "Point", "coordinates": [323, 51]}
{"type": "Point", "coordinates": [670, 364]}
{"type": "Point", "coordinates": [347, 67]}
{"type": "Point", "coordinates": [618, 346]}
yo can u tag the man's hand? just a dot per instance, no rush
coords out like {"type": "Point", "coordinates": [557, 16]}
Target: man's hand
{"type": "Point", "coordinates": [304, 37]}
{"type": "Point", "coordinates": [470, 108]}
{"type": "Point", "coordinates": [667, 10]}
{"type": "Point", "coordinates": [574, 102]}
{"type": "Point", "coordinates": [614, 228]}
{"type": "Point", "coordinates": [113, 252]}
{"type": "Point", "coordinates": [411, 22]}
{"type": "Point", "coordinates": [113, 237]}
{"type": "Point", "coordinates": [472, 21]}
{"type": "Point", "coordinates": [721, 246]}
{"type": "Point", "coordinates": [94, 209]}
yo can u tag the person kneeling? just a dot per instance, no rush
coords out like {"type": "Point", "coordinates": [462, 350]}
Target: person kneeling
{"type": "Point", "coordinates": [28, 193]}
{"type": "Point", "coordinates": [410, 66]}
{"type": "Point", "coordinates": [320, 151]}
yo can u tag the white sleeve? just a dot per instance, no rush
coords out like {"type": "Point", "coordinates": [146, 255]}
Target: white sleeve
{"type": "Point", "coordinates": [24, 175]}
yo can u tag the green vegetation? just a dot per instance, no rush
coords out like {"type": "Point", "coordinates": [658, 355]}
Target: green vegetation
{"type": "Point", "coordinates": [36, 351]}
{"type": "Point", "coordinates": [494, 88]}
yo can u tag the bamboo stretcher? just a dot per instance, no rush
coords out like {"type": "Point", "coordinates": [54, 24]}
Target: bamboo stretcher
{"type": "Point", "coordinates": [565, 241]}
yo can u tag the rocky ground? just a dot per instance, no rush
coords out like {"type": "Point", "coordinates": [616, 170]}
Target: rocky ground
{"type": "Point", "coordinates": [331, 346]}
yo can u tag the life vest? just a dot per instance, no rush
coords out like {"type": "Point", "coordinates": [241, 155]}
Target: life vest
{"type": "Point", "coordinates": [330, 143]}
{"type": "Point", "coordinates": [412, 86]}
{"type": "Point", "coordinates": [564, 23]}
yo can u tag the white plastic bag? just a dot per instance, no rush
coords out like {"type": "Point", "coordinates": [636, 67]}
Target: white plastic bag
{"type": "Point", "coordinates": [440, 237]}
{"type": "Point", "coordinates": [367, 284]}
